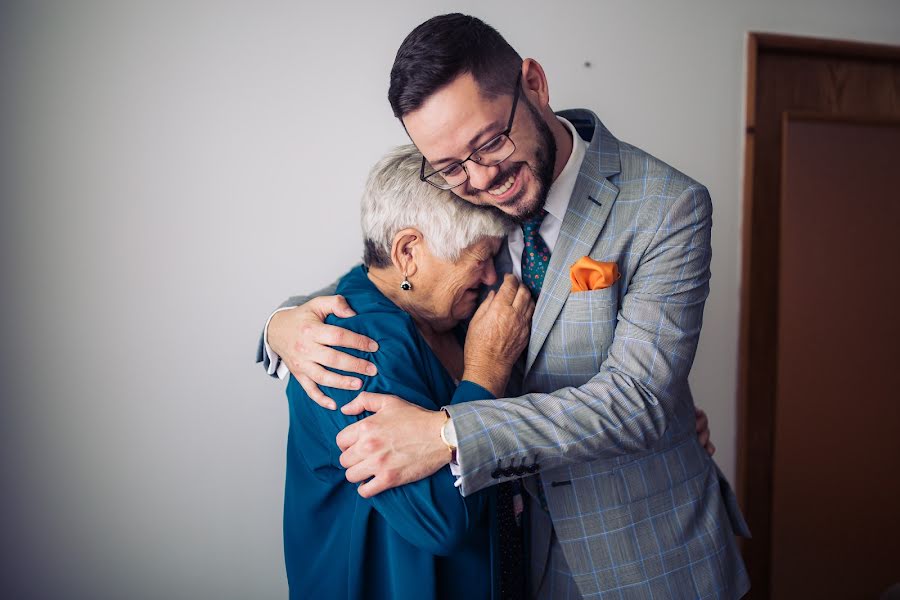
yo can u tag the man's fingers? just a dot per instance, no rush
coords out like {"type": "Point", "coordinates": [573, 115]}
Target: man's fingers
{"type": "Point", "coordinates": [702, 419]}
{"type": "Point", "coordinates": [358, 472]}
{"type": "Point", "coordinates": [711, 448]}
{"type": "Point", "coordinates": [331, 305]}
{"type": "Point", "coordinates": [341, 308]}
{"type": "Point", "coordinates": [331, 379]}
{"type": "Point", "coordinates": [347, 436]}
{"type": "Point", "coordinates": [354, 407]}
{"type": "Point", "coordinates": [365, 401]}
{"type": "Point", "coordinates": [703, 437]}
{"type": "Point", "coordinates": [374, 486]}
{"type": "Point", "coordinates": [335, 359]}
{"type": "Point", "coordinates": [332, 335]}
{"type": "Point", "coordinates": [313, 391]}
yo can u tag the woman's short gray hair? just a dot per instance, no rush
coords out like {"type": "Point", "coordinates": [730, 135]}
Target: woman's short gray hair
{"type": "Point", "coordinates": [395, 198]}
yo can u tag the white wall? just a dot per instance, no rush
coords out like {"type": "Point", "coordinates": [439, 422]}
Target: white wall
{"type": "Point", "coordinates": [173, 170]}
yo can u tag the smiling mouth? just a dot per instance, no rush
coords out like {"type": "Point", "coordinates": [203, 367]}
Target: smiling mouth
{"type": "Point", "coordinates": [502, 189]}
{"type": "Point", "coordinates": [508, 188]}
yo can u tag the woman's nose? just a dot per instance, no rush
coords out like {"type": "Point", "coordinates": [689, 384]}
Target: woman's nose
{"type": "Point", "coordinates": [490, 274]}
{"type": "Point", "coordinates": [480, 177]}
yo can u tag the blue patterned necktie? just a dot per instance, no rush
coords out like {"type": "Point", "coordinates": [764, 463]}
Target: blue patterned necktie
{"type": "Point", "coordinates": [535, 258]}
{"type": "Point", "coordinates": [536, 255]}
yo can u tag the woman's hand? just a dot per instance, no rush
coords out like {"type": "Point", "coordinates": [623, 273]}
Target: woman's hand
{"type": "Point", "coordinates": [302, 340]}
{"type": "Point", "coordinates": [498, 333]}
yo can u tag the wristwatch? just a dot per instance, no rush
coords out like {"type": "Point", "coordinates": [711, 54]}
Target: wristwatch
{"type": "Point", "coordinates": [448, 436]}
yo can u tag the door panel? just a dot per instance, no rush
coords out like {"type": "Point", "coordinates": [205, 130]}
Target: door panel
{"type": "Point", "coordinates": [836, 467]}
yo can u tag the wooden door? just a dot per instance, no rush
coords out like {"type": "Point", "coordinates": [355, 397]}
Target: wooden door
{"type": "Point", "coordinates": [836, 472]}
{"type": "Point", "coordinates": [793, 475]}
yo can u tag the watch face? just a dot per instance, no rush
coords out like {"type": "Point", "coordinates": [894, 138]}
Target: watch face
{"type": "Point", "coordinates": [448, 435]}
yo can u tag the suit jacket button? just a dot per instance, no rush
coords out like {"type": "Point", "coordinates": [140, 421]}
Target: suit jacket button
{"type": "Point", "coordinates": [534, 468]}
{"type": "Point", "coordinates": [496, 473]}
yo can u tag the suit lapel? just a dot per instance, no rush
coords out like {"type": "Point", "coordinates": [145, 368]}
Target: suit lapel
{"type": "Point", "coordinates": [588, 210]}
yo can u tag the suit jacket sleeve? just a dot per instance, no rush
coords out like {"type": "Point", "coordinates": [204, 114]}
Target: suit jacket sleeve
{"type": "Point", "coordinates": [431, 513]}
{"type": "Point", "coordinates": [261, 355]}
{"type": "Point", "coordinates": [627, 406]}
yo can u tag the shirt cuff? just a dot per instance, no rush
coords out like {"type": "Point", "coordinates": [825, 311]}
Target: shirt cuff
{"type": "Point", "coordinates": [450, 436]}
{"type": "Point", "coordinates": [276, 367]}
{"type": "Point", "coordinates": [465, 391]}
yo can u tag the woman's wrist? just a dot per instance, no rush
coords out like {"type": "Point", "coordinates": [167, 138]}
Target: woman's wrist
{"type": "Point", "coordinates": [492, 379]}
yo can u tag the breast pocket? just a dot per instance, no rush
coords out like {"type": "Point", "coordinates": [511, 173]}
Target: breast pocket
{"type": "Point", "coordinates": [580, 340]}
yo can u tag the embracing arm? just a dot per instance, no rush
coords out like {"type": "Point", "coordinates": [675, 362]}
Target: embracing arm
{"type": "Point", "coordinates": [264, 353]}
{"type": "Point", "coordinates": [624, 409]}
{"type": "Point", "coordinates": [431, 513]}
{"type": "Point", "coordinates": [296, 339]}
{"type": "Point", "coordinates": [627, 407]}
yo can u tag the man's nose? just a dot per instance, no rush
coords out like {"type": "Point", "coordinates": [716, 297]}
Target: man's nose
{"type": "Point", "coordinates": [481, 177]}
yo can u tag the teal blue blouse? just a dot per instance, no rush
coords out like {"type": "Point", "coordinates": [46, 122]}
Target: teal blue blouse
{"type": "Point", "coordinates": [418, 541]}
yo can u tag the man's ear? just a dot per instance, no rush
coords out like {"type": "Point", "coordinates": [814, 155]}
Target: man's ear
{"type": "Point", "coordinates": [407, 247]}
{"type": "Point", "coordinates": [534, 84]}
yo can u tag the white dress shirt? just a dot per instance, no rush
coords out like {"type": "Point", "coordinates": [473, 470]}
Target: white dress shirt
{"type": "Point", "coordinates": [557, 204]}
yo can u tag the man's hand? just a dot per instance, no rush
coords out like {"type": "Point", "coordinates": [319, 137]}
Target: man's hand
{"type": "Point", "coordinates": [399, 444]}
{"type": "Point", "coordinates": [302, 339]}
{"type": "Point", "coordinates": [703, 431]}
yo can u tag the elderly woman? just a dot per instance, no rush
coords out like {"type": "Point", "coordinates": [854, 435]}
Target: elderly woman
{"type": "Point", "coordinates": [426, 256]}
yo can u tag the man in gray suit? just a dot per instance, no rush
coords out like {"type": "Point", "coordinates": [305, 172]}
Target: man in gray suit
{"type": "Point", "coordinates": [623, 501]}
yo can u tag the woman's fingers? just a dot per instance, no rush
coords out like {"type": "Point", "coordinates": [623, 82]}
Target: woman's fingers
{"type": "Point", "coordinates": [485, 305]}
{"type": "Point", "coordinates": [522, 298]}
{"type": "Point", "coordinates": [507, 292]}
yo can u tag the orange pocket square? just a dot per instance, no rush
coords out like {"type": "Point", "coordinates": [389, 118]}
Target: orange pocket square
{"type": "Point", "coordinates": [588, 274]}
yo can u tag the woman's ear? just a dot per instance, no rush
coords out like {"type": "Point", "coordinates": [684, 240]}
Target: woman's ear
{"type": "Point", "coordinates": [408, 246]}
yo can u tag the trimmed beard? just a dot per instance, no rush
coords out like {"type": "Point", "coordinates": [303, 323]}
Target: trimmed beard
{"type": "Point", "coordinates": [545, 160]}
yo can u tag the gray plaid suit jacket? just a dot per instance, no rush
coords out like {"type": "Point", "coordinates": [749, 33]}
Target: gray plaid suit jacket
{"type": "Point", "coordinates": [638, 509]}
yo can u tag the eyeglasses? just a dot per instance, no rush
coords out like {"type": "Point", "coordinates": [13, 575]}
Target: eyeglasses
{"type": "Point", "coordinates": [494, 152]}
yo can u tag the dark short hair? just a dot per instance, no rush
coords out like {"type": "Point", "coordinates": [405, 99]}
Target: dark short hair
{"type": "Point", "coordinates": [443, 48]}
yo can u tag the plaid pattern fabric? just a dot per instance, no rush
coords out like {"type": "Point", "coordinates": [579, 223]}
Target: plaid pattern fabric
{"type": "Point", "coordinates": [638, 508]}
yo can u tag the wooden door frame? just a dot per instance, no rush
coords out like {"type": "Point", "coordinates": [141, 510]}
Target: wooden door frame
{"type": "Point", "coordinates": [757, 346]}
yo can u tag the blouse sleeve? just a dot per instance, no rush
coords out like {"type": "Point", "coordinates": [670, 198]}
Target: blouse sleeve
{"type": "Point", "coordinates": [431, 513]}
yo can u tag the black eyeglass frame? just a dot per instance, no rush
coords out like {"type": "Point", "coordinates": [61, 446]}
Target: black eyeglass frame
{"type": "Point", "coordinates": [505, 132]}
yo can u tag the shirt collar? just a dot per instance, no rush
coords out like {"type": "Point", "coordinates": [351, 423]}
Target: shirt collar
{"type": "Point", "coordinates": [561, 190]}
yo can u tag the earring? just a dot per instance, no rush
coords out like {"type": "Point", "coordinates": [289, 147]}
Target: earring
{"type": "Point", "coordinates": [405, 285]}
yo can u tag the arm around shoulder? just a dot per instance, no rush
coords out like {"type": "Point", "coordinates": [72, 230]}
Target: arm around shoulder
{"type": "Point", "coordinates": [628, 405]}
{"type": "Point", "coordinates": [430, 513]}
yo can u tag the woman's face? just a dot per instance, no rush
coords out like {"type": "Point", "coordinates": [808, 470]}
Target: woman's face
{"type": "Point", "coordinates": [447, 292]}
